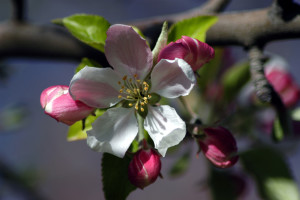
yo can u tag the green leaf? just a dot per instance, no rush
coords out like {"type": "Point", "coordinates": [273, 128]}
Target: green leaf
{"type": "Point", "coordinates": [116, 185]}
{"type": "Point", "coordinates": [277, 132]}
{"type": "Point", "coordinates": [181, 165]}
{"type": "Point", "coordinates": [194, 27]}
{"type": "Point", "coordinates": [296, 114]}
{"type": "Point", "coordinates": [222, 185]}
{"type": "Point", "coordinates": [75, 131]}
{"type": "Point", "coordinates": [87, 62]}
{"type": "Point", "coordinates": [90, 29]}
{"type": "Point", "coordinates": [234, 79]}
{"type": "Point", "coordinates": [283, 123]}
{"type": "Point", "coordinates": [161, 42]}
{"type": "Point", "coordinates": [271, 173]}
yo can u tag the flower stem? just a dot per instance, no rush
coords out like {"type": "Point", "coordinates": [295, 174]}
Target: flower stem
{"type": "Point", "coordinates": [185, 104]}
{"type": "Point", "coordinates": [140, 121]}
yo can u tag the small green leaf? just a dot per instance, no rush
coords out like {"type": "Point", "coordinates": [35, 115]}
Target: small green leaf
{"type": "Point", "coordinates": [116, 185]}
{"type": "Point", "coordinates": [161, 42]}
{"type": "Point", "coordinates": [136, 29]}
{"type": "Point", "coordinates": [181, 165]}
{"type": "Point", "coordinates": [277, 132]}
{"type": "Point", "coordinates": [271, 173]}
{"type": "Point", "coordinates": [296, 114]}
{"type": "Point", "coordinates": [87, 62]}
{"type": "Point", "coordinates": [90, 29]}
{"type": "Point", "coordinates": [75, 131]}
{"type": "Point", "coordinates": [234, 79]}
{"type": "Point", "coordinates": [194, 27]}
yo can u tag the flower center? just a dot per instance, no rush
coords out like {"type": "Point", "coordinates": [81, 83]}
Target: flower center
{"type": "Point", "coordinates": [135, 92]}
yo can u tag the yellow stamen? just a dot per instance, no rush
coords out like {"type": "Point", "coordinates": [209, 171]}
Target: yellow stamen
{"type": "Point", "coordinates": [119, 82]}
{"type": "Point", "coordinates": [121, 90]}
{"type": "Point", "coordinates": [142, 109]}
{"type": "Point", "coordinates": [145, 88]}
{"type": "Point", "coordinates": [128, 91]}
{"type": "Point", "coordinates": [136, 106]}
{"type": "Point", "coordinates": [149, 96]}
{"type": "Point", "coordinates": [142, 103]}
{"type": "Point", "coordinates": [119, 96]}
{"type": "Point", "coordinates": [135, 76]}
{"type": "Point", "coordinates": [124, 78]}
{"type": "Point", "coordinates": [130, 104]}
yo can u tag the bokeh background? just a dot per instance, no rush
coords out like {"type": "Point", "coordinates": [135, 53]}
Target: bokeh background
{"type": "Point", "coordinates": [70, 170]}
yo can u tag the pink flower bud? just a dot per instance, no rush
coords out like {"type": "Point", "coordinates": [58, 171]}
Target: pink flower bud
{"type": "Point", "coordinates": [219, 146]}
{"type": "Point", "coordinates": [57, 103]}
{"type": "Point", "coordinates": [144, 168]}
{"type": "Point", "coordinates": [285, 85]}
{"type": "Point", "coordinates": [194, 52]}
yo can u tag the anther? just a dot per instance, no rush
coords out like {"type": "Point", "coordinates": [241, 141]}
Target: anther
{"type": "Point", "coordinates": [119, 82]}
{"type": "Point", "coordinates": [124, 78]}
{"type": "Point", "coordinates": [121, 90]}
{"type": "Point", "coordinates": [130, 104]}
{"type": "Point", "coordinates": [135, 76]}
{"type": "Point", "coordinates": [119, 96]}
{"type": "Point", "coordinates": [142, 109]}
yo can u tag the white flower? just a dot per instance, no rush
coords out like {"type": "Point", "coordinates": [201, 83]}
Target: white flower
{"type": "Point", "coordinates": [131, 59]}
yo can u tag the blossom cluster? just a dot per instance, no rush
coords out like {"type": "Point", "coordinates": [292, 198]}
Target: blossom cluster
{"type": "Point", "coordinates": [130, 90]}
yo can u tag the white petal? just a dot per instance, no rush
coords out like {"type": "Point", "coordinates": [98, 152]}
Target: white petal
{"type": "Point", "coordinates": [172, 78]}
{"type": "Point", "coordinates": [96, 87]}
{"type": "Point", "coordinates": [165, 127]}
{"type": "Point", "coordinates": [127, 52]}
{"type": "Point", "coordinates": [113, 132]}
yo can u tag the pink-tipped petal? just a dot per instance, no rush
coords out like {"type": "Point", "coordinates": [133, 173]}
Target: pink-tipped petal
{"type": "Point", "coordinates": [127, 52]}
{"type": "Point", "coordinates": [58, 104]}
{"type": "Point", "coordinates": [219, 146]}
{"type": "Point", "coordinates": [193, 51]}
{"type": "Point", "coordinates": [144, 168]}
{"type": "Point", "coordinates": [172, 78]}
{"type": "Point", "coordinates": [172, 51]}
{"type": "Point", "coordinates": [96, 87]}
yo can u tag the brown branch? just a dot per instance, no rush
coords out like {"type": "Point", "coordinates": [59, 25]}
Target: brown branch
{"type": "Point", "coordinates": [246, 29]}
{"type": "Point", "coordinates": [210, 7]}
{"type": "Point", "coordinates": [43, 41]}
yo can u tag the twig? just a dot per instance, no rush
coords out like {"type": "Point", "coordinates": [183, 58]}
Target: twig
{"type": "Point", "coordinates": [18, 11]}
{"type": "Point", "coordinates": [262, 87]}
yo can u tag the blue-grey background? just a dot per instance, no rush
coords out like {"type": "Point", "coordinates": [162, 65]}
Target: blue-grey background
{"type": "Point", "coordinates": [70, 170]}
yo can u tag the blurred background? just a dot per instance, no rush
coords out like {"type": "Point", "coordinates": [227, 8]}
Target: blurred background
{"type": "Point", "coordinates": [35, 146]}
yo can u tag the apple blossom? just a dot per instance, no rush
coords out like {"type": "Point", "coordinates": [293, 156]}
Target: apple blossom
{"type": "Point", "coordinates": [193, 51]}
{"type": "Point", "coordinates": [219, 146]}
{"type": "Point", "coordinates": [144, 168]}
{"type": "Point", "coordinates": [133, 82]}
{"type": "Point", "coordinates": [57, 103]}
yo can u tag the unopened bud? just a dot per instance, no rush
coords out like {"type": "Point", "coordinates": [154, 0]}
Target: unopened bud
{"type": "Point", "coordinates": [57, 103]}
{"type": "Point", "coordinates": [194, 52]}
{"type": "Point", "coordinates": [219, 146]}
{"type": "Point", "coordinates": [144, 168]}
